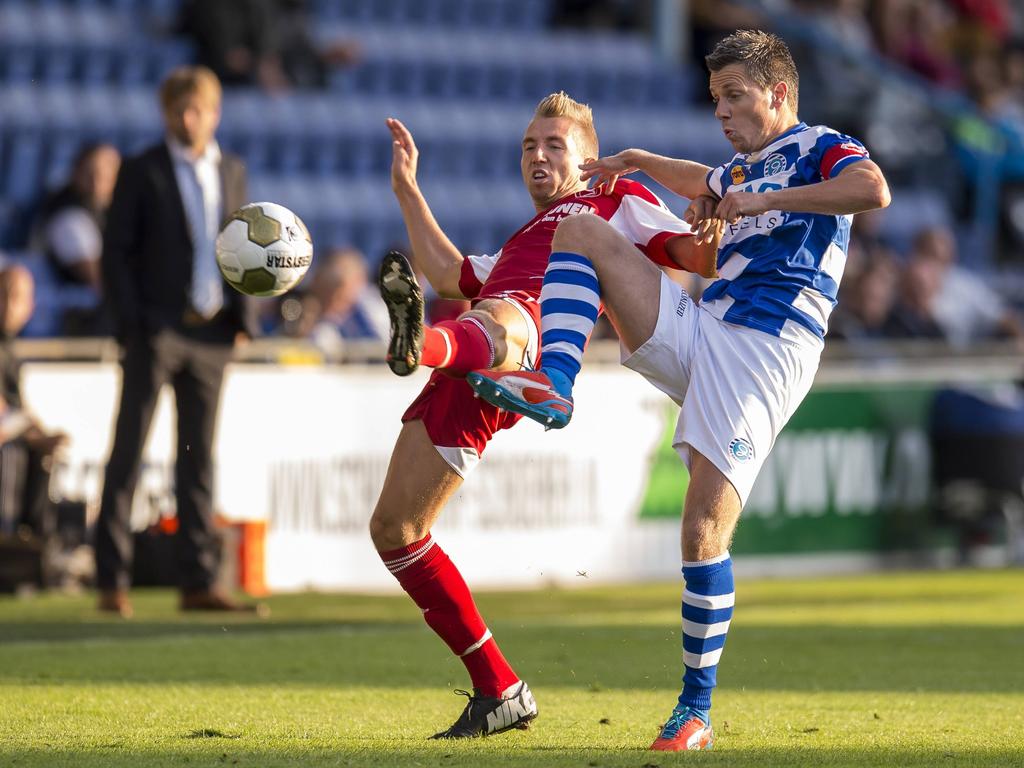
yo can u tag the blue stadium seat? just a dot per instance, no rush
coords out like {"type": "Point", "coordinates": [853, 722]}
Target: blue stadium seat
{"type": "Point", "coordinates": [24, 168]}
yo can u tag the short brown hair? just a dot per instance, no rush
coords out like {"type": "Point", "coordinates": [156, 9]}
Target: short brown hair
{"type": "Point", "coordinates": [187, 81]}
{"type": "Point", "coordinates": [562, 104]}
{"type": "Point", "coordinates": [765, 56]}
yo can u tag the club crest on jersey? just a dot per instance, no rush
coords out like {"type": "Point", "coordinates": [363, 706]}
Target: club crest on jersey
{"type": "Point", "coordinates": [774, 163]}
{"type": "Point", "coordinates": [741, 449]}
{"type": "Point", "coordinates": [738, 174]}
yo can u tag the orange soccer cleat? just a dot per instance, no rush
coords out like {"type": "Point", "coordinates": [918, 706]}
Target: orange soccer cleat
{"type": "Point", "coordinates": [530, 393]}
{"type": "Point", "coordinates": [684, 731]}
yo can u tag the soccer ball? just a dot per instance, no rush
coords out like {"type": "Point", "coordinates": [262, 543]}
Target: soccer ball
{"type": "Point", "coordinates": [264, 249]}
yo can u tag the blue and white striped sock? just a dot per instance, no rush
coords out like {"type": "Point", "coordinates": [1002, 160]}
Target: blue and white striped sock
{"type": "Point", "coordinates": [569, 303]}
{"type": "Point", "coordinates": [708, 599]}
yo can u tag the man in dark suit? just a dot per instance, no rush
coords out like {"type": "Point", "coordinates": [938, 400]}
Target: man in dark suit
{"type": "Point", "coordinates": [177, 322]}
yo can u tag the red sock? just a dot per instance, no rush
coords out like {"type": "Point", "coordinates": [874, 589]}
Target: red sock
{"type": "Point", "coordinates": [437, 587]}
{"type": "Point", "coordinates": [460, 346]}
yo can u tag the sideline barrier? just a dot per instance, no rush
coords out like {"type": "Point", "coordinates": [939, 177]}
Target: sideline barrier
{"type": "Point", "coordinates": [304, 450]}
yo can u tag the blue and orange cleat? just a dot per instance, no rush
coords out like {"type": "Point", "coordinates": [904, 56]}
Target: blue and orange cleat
{"type": "Point", "coordinates": [685, 731]}
{"type": "Point", "coordinates": [530, 393]}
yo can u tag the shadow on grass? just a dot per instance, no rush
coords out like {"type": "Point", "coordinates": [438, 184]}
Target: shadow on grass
{"type": "Point", "coordinates": [780, 658]}
{"type": "Point", "coordinates": [470, 756]}
{"type": "Point", "coordinates": [64, 632]}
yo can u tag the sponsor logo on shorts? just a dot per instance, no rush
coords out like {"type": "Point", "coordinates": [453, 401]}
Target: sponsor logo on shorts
{"type": "Point", "coordinates": [741, 450]}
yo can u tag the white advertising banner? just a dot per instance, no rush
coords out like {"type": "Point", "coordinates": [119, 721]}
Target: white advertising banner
{"type": "Point", "coordinates": [306, 449]}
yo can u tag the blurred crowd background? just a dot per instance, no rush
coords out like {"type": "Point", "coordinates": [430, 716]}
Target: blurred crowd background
{"type": "Point", "coordinates": [933, 294]}
{"type": "Point", "coordinates": [935, 88]}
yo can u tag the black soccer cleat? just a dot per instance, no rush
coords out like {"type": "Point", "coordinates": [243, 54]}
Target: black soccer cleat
{"type": "Point", "coordinates": [487, 715]}
{"type": "Point", "coordinates": [404, 299]}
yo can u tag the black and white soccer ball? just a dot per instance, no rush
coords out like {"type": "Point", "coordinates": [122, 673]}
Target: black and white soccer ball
{"type": "Point", "coordinates": [264, 249]}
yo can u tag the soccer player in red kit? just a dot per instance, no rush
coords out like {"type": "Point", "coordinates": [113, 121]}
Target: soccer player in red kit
{"type": "Point", "coordinates": [446, 429]}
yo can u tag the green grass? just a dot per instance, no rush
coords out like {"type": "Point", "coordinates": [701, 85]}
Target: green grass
{"type": "Point", "coordinates": [896, 670]}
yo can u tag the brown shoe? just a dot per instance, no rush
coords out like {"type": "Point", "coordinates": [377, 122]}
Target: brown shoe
{"type": "Point", "coordinates": [216, 600]}
{"type": "Point", "coordinates": [115, 601]}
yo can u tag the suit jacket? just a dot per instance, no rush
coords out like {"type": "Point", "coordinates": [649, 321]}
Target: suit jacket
{"type": "Point", "coordinates": [147, 252]}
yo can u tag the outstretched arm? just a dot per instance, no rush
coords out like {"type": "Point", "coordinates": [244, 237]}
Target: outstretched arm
{"type": "Point", "coordinates": [858, 187]}
{"type": "Point", "coordinates": [433, 252]}
{"type": "Point", "coordinates": [684, 177]}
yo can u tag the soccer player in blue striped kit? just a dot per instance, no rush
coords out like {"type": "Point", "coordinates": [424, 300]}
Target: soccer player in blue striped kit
{"type": "Point", "coordinates": [741, 360]}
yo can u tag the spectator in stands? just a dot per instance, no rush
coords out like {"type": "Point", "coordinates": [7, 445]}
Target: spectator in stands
{"type": "Point", "coordinates": [988, 85]}
{"type": "Point", "coordinates": [847, 20]}
{"type": "Point", "coordinates": [177, 323]}
{"type": "Point", "coordinates": [261, 42]}
{"type": "Point", "coordinates": [623, 15]}
{"type": "Point", "coordinates": [305, 63]}
{"type": "Point", "coordinates": [26, 447]}
{"type": "Point", "coordinates": [918, 35]}
{"type": "Point", "coordinates": [866, 297]}
{"type": "Point", "coordinates": [339, 306]}
{"type": "Point", "coordinates": [234, 38]}
{"type": "Point", "coordinates": [712, 20]}
{"type": "Point", "coordinates": [964, 306]}
{"type": "Point", "coordinates": [1013, 69]}
{"type": "Point", "coordinates": [70, 227]}
{"type": "Point", "coordinates": [912, 316]}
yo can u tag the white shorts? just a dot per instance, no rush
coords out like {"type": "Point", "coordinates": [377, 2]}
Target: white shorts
{"type": "Point", "coordinates": [737, 387]}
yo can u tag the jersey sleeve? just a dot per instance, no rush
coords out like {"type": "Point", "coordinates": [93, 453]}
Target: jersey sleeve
{"type": "Point", "coordinates": [475, 271]}
{"type": "Point", "coordinates": [832, 153]}
{"type": "Point", "coordinates": [648, 223]}
{"type": "Point", "coordinates": [715, 180]}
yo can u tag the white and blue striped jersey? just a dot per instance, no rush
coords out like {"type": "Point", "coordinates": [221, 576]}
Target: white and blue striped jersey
{"type": "Point", "coordinates": [780, 271]}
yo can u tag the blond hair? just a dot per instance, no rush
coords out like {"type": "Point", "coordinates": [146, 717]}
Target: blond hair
{"type": "Point", "coordinates": [188, 81]}
{"type": "Point", "coordinates": [562, 104]}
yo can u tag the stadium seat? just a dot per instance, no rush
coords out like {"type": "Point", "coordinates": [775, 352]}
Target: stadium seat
{"type": "Point", "coordinates": [23, 176]}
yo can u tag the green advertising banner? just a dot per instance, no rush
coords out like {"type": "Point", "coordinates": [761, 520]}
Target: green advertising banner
{"type": "Point", "coordinates": [850, 472]}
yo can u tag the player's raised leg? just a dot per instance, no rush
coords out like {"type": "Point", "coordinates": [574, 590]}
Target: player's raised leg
{"type": "Point", "coordinates": [418, 484]}
{"type": "Point", "coordinates": [487, 336]}
{"type": "Point", "coordinates": [590, 263]}
{"type": "Point", "coordinates": [710, 514]}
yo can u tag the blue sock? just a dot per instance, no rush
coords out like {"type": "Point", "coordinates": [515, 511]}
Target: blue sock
{"type": "Point", "coordinates": [708, 600]}
{"type": "Point", "coordinates": [569, 303]}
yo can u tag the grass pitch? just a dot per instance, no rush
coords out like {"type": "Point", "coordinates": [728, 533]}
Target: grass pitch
{"type": "Point", "coordinates": [921, 669]}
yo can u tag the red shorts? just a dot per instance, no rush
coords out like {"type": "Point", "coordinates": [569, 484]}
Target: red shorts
{"type": "Point", "coordinates": [458, 424]}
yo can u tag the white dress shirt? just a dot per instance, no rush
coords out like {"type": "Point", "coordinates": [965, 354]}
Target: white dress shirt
{"type": "Point", "coordinates": [199, 184]}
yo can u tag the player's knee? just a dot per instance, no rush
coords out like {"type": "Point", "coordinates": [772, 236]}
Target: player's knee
{"type": "Point", "coordinates": [705, 534]}
{"type": "Point", "coordinates": [392, 531]}
{"type": "Point", "coordinates": [578, 233]}
{"type": "Point", "coordinates": [496, 330]}
{"type": "Point", "coordinates": [385, 530]}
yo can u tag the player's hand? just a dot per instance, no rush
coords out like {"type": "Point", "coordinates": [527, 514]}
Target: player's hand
{"type": "Point", "coordinates": [735, 205]}
{"type": "Point", "coordinates": [404, 156]}
{"type": "Point", "coordinates": [700, 209]}
{"type": "Point", "coordinates": [708, 230]}
{"type": "Point", "coordinates": [700, 215]}
{"type": "Point", "coordinates": [607, 170]}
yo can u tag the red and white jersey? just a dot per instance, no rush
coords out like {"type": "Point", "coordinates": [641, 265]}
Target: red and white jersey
{"type": "Point", "coordinates": [632, 209]}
